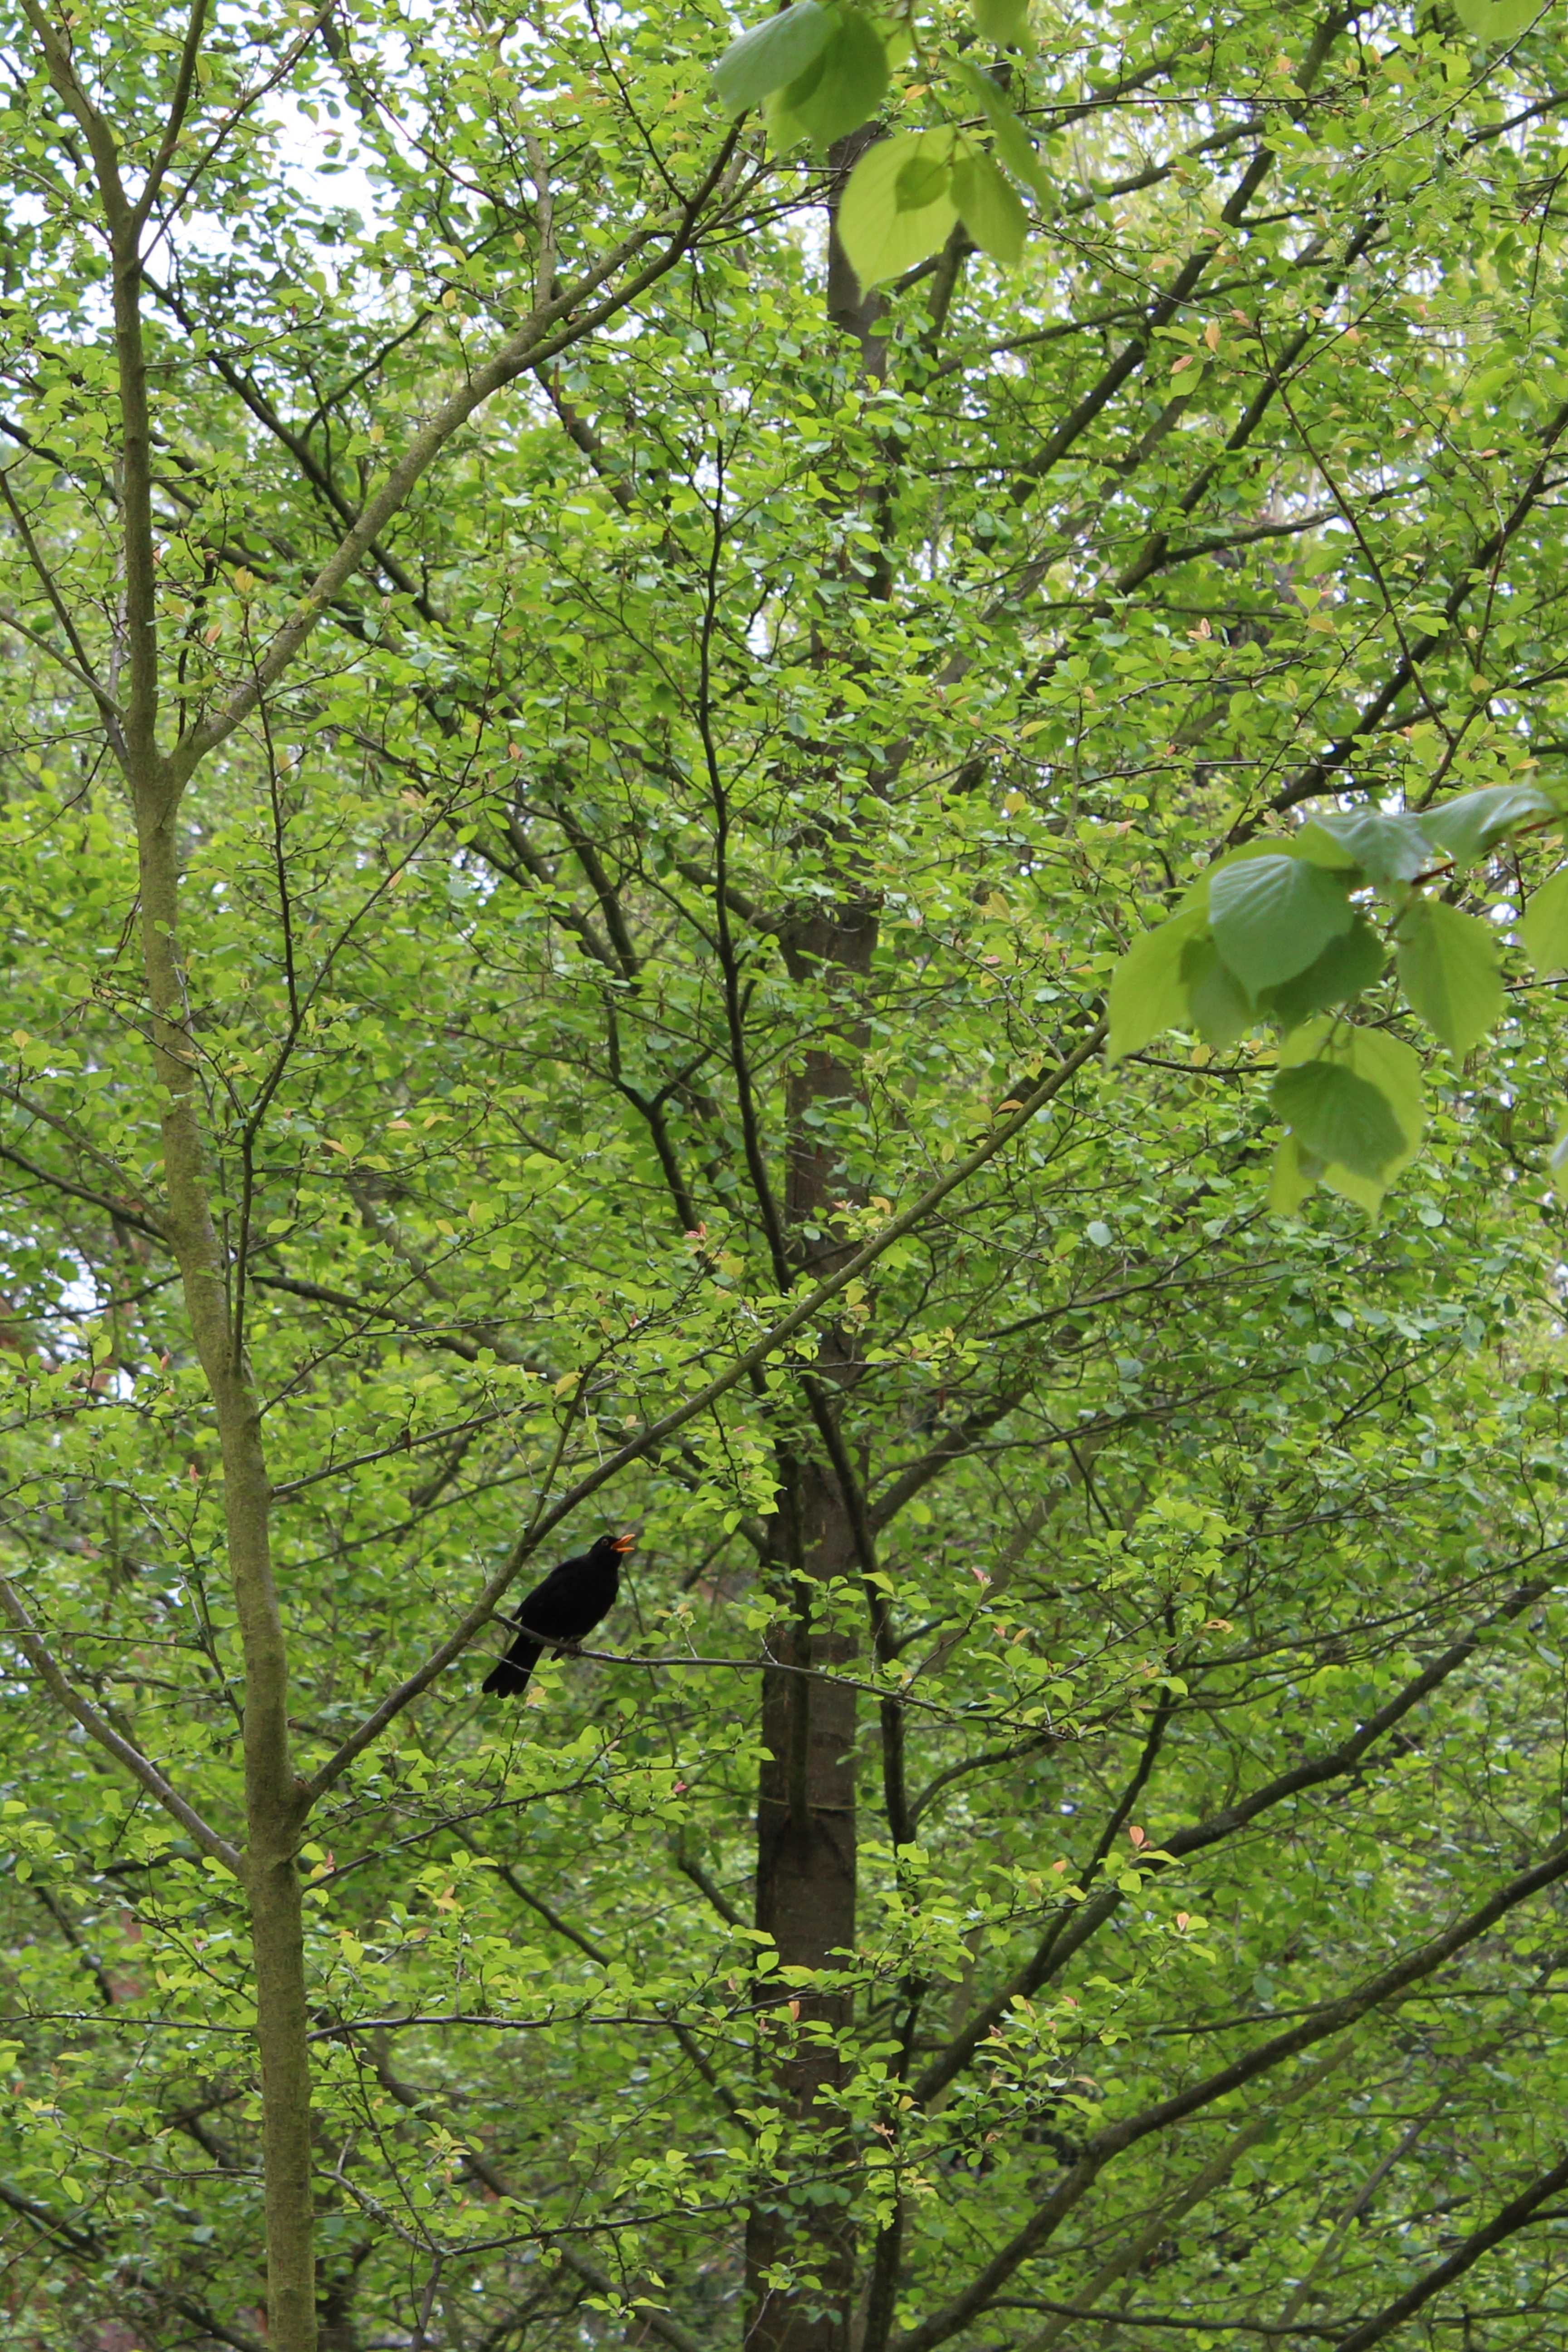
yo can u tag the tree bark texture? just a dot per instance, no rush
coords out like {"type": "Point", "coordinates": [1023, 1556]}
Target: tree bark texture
{"type": "Point", "coordinates": [805, 1901]}
{"type": "Point", "coordinates": [806, 1798]}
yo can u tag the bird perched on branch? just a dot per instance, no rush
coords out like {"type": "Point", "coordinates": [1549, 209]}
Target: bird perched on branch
{"type": "Point", "coordinates": [561, 1611]}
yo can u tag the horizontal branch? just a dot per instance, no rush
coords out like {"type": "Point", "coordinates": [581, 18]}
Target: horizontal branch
{"type": "Point", "coordinates": [654, 1434]}
{"type": "Point", "coordinates": [136, 1219]}
{"type": "Point", "coordinates": [772, 1665]}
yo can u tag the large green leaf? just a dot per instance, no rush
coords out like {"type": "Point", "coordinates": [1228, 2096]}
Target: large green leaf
{"type": "Point", "coordinates": [1395, 1069]}
{"type": "Point", "coordinates": [1388, 848]}
{"type": "Point", "coordinates": [1274, 915]}
{"type": "Point", "coordinates": [1353, 962]}
{"type": "Point", "coordinates": [989, 209]}
{"type": "Point", "coordinates": [1467, 828]}
{"type": "Point", "coordinates": [1339, 1116]}
{"type": "Point", "coordinates": [1385, 1063]}
{"type": "Point", "coordinates": [1004, 22]}
{"type": "Point", "coordinates": [1217, 1004]}
{"type": "Point", "coordinates": [1012, 139]}
{"type": "Point", "coordinates": [1292, 1177]}
{"type": "Point", "coordinates": [897, 205]}
{"type": "Point", "coordinates": [1147, 991]}
{"type": "Point", "coordinates": [1448, 970]}
{"type": "Point", "coordinates": [1497, 20]}
{"type": "Point", "coordinates": [772, 54]}
{"type": "Point", "coordinates": [1197, 892]}
{"type": "Point", "coordinates": [1543, 926]}
{"type": "Point", "coordinates": [841, 88]}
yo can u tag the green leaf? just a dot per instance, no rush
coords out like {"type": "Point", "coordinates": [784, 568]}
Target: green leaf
{"type": "Point", "coordinates": [1004, 22]}
{"type": "Point", "coordinates": [1348, 964]}
{"type": "Point", "coordinates": [1291, 1180]}
{"type": "Point", "coordinates": [1395, 1069]}
{"type": "Point", "coordinates": [1497, 20]}
{"type": "Point", "coordinates": [1543, 926]}
{"type": "Point", "coordinates": [1267, 845]}
{"type": "Point", "coordinates": [897, 206]}
{"type": "Point", "coordinates": [1448, 970]}
{"type": "Point", "coordinates": [1339, 1116]}
{"type": "Point", "coordinates": [772, 54]}
{"type": "Point", "coordinates": [1012, 139]}
{"type": "Point", "coordinates": [843, 85]}
{"type": "Point", "coordinates": [1274, 915]}
{"type": "Point", "coordinates": [1319, 848]}
{"type": "Point", "coordinates": [1387, 1064]}
{"type": "Point", "coordinates": [989, 209]}
{"type": "Point", "coordinates": [1469, 826]}
{"type": "Point", "coordinates": [921, 179]}
{"type": "Point", "coordinates": [1147, 991]}
{"type": "Point", "coordinates": [1558, 1162]}
{"type": "Point", "coordinates": [1217, 1005]}
{"type": "Point", "coordinates": [1389, 848]}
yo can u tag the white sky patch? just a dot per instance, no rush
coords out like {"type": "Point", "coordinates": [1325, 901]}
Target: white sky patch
{"type": "Point", "coordinates": [334, 183]}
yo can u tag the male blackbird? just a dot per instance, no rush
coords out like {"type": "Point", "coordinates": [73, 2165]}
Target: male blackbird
{"type": "Point", "coordinates": [566, 1606]}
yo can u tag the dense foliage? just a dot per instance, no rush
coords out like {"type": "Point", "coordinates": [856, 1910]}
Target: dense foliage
{"type": "Point", "coordinates": [573, 786]}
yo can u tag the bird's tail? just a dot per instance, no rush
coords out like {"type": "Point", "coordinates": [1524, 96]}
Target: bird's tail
{"type": "Point", "coordinates": [510, 1674]}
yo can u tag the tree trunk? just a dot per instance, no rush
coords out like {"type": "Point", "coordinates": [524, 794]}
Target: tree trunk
{"type": "Point", "coordinates": [273, 1809]}
{"type": "Point", "coordinates": [805, 1901]}
{"type": "Point", "coordinates": [806, 1814]}
{"type": "Point", "coordinates": [278, 1947]}
{"type": "Point", "coordinates": [806, 1797]}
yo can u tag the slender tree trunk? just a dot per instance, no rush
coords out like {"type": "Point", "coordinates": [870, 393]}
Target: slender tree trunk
{"type": "Point", "coordinates": [277, 1943]}
{"type": "Point", "coordinates": [274, 1812]}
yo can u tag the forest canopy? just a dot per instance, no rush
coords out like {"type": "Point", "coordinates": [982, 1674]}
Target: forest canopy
{"type": "Point", "coordinates": [792, 788]}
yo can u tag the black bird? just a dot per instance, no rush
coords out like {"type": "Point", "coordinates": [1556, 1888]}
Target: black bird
{"type": "Point", "coordinates": [564, 1608]}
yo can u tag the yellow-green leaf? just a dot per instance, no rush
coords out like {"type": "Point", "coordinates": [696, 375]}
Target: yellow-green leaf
{"type": "Point", "coordinates": [1543, 926]}
{"type": "Point", "coordinates": [1147, 991]}
{"type": "Point", "coordinates": [1448, 970]}
{"type": "Point", "coordinates": [897, 205]}
{"type": "Point", "coordinates": [989, 208]}
{"type": "Point", "coordinates": [1497, 20]}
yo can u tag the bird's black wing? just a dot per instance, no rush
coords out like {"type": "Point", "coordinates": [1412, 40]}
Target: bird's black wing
{"type": "Point", "coordinates": [510, 1674]}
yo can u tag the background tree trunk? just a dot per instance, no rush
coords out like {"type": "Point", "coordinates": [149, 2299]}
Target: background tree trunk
{"type": "Point", "coordinates": [805, 1901]}
{"type": "Point", "coordinates": [806, 1800]}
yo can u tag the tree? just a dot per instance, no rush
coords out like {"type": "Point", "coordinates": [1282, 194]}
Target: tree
{"type": "Point", "coordinates": [631, 756]}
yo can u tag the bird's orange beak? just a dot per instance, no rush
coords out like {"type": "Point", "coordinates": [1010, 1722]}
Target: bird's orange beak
{"type": "Point", "coordinates": [625, 1544]}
